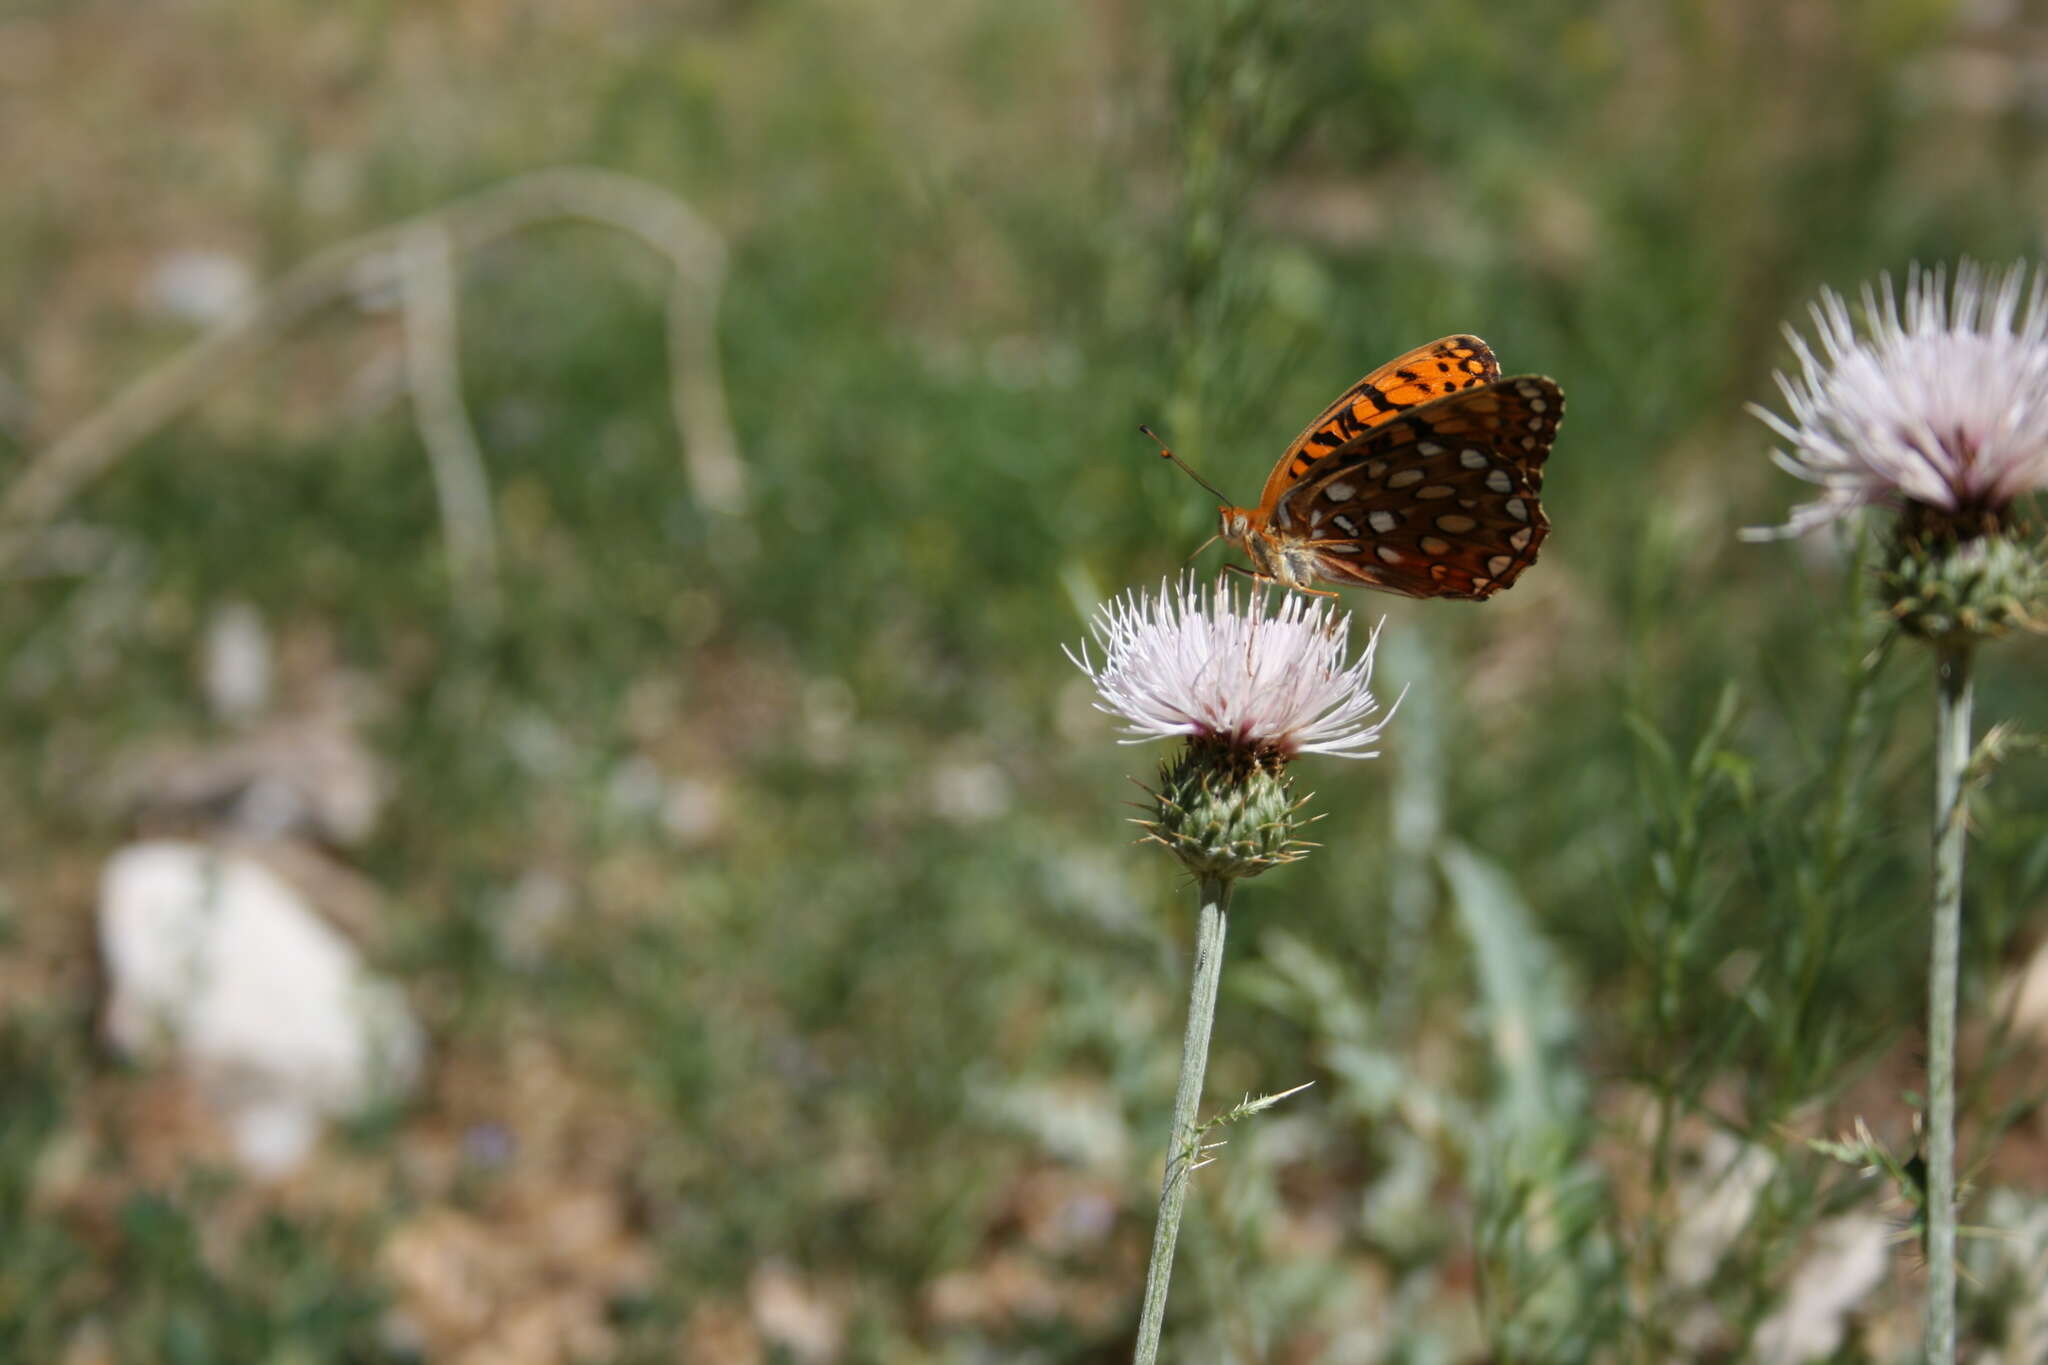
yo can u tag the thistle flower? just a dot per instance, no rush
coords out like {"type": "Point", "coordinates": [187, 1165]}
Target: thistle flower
{"type": "Point", "coordinates": [1938, 409]}
{"type": "Point", "coordinates": [1260, 678]}
{"type": "Point", "coordinates": [1939, 405]}
{"type": "Point", "coordinates": [1249, 686]}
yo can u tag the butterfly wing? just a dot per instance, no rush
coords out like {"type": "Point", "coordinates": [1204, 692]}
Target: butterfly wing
{"type": "Point", "coordinates": [1439, 501]}
{"type": "Point", "coordinates": [1425, 374]}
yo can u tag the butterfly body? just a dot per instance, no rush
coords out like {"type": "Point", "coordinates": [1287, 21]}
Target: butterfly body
{"type": "Point", "coordinates": [1288, 560]}
{"type": "Point", "coordinates": [1421, 479]}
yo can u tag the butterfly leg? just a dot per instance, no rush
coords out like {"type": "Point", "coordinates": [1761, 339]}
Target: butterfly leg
{"type": "Point", "coordinates": [1260, 579]}
{"type": "Point", "coordinates": [1267, 580]}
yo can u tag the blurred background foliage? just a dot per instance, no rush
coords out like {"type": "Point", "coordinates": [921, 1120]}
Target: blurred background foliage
{"type": "Point", "coordinates": [793, 989]}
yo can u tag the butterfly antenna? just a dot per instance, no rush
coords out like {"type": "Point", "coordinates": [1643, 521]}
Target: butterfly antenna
{"type": "Point", "coordinates": [1164, 452]}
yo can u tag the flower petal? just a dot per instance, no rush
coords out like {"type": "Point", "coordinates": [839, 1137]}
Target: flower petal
{"type": "Point", "coordinates": [1942, 399]}
{"type": "Point", "coordinates": [1190, 661]}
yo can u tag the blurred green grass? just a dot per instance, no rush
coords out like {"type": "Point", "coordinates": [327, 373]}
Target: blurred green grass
{"type": "Point", "coordinates": [972, 249]}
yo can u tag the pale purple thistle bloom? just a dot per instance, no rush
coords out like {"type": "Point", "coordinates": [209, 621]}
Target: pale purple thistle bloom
{"type": "Point", "coordinates": [1943, 401]}
{"type": "Point", "coordinates": [1191, 662]}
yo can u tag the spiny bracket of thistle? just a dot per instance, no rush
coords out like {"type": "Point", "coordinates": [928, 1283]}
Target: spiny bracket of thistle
{"type": "Point", "coordinates": [1227, 811]}
{"type": "Point", "coordinates": [1958, 582]}
{"type": "Point", "coordinates": [1860, 1148]}
{"type": "Point", "coordinates": [1196, 1154]}
{"type": "Point", "coordinates": [1999, 743]}
{"type": "Point", "coordinates": [1906, 1175]}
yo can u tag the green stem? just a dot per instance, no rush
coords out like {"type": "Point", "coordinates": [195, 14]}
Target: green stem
{"type": "Point", "coordinates": [1181, 1153]}
{"type": "Point", "coordinates": [1951, 757]}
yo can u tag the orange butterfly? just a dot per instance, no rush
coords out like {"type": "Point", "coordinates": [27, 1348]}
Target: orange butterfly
{"type": "Point", "coordinates": [1422, 479]}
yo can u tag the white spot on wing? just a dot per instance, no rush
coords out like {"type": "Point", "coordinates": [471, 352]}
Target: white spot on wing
{"type": "Point", "coordinates": [1340, 491]}
{"type": "Point", "coordinates": [1517, 509]}
{"type": "Point", "coordinates": [1387, 553]}
{"type": "Point", "coordinates": [1499, 481]}
{"type": "Point", "coordinates": [1520, 539]}
{"type": "Point", "coordinates": [1498, 565]}
{"type": "Point", "coordinates": [1472, 459]}
{"type": "Point", "coordinates": [1383, 522]}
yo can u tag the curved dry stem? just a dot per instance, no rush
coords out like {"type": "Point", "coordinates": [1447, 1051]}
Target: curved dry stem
{"type": "Point", "coordinates": [384, 259]}
{"type": "Point", "coordinates": [433, 369]}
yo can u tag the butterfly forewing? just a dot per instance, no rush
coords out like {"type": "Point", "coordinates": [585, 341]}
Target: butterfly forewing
{"type": "Point", "coordinates": [1424, 375]}
{"type": "Point", "coordinates": [1438, 501]}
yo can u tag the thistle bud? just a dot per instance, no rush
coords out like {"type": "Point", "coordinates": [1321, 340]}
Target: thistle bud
{"type": "Point", "coordinates": [1955, 589]}
{"type": "Point", "coordinates": [1226, 811]}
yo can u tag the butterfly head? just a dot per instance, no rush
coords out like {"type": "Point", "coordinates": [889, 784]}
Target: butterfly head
{"type": "Point", "coordinates": [1234, 525]}
{"type": "Point", "coordinates": [1273, 554]}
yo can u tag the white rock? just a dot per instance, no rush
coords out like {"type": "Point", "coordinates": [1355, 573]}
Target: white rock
{"type": "Point", "coordinates": [237, 662]}
{"type": "Point", "coordinates": [1718, 1201]}
{"type": "Point", "coordinates": [970, 793]}
{"type": "Point", "coordinates": [214, 962]}
{"type": "Point", "coordinates": [1077, 1121]}
{"type": "Point", "coordinates": [305, 773]}
{"type": "Point", "coordinates": [791, 1312]}
{"type": "Point", "coordinates": [199, 287]}
{"type": "Point", "coordinates": [694, 811]}
{"type": "Point", "coordinates": [2024, 996]}
{"type": "Point", "coordinates": [1850, 1258]}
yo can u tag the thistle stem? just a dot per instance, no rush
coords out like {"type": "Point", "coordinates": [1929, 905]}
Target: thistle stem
{"type": "Point", "coordinates": [1951, 757]}
{"type": "Point", "coordinates": [1181, 1153]}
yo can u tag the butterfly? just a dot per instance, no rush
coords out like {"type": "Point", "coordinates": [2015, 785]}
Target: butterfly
{"type": "Point", "coordinates": [1421, 479]}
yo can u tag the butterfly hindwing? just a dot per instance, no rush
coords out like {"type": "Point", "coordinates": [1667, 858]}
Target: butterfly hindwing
{"type": "Point", "coordinates": [1424, 375]}
{"type": "Point", "coordinates": [1439, 501]}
